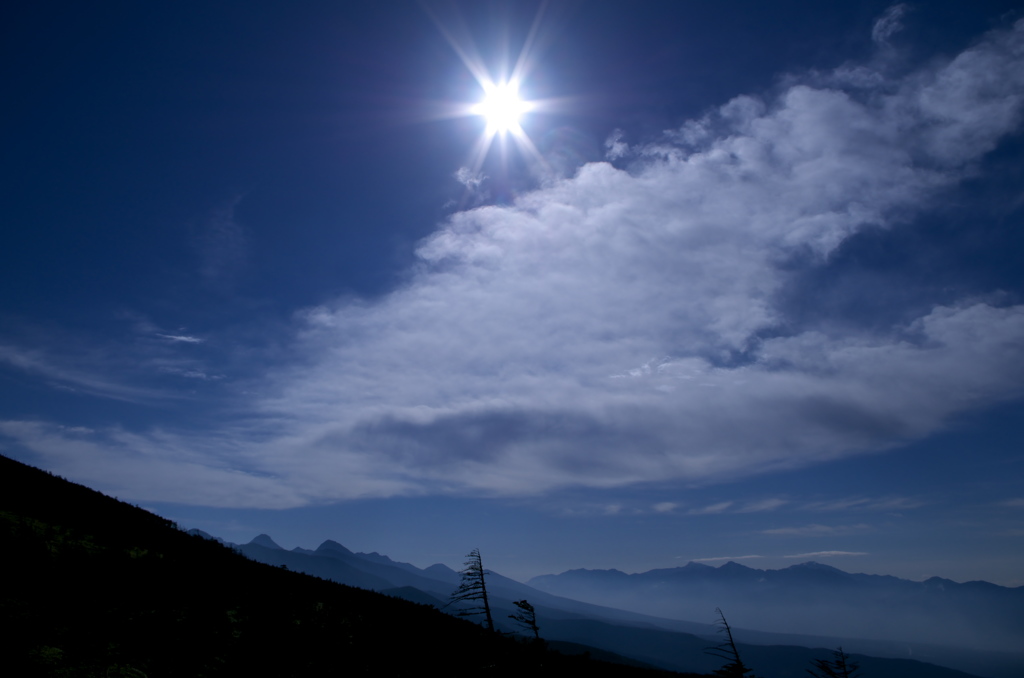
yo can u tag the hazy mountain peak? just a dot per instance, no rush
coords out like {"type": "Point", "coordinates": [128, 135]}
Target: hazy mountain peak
{"type": "Point", "coordinates": [814, 565]}
{"type": "Point", "coordinates": [265, 541]}
{"type": "Point", "coordinates": [331, 545]}
{"type": "Point", "coordinates": [586, 571]}
{"type": "Point", "coordinates": [438, 568]}
{"type": "Point", "coordinates": [733, 566]}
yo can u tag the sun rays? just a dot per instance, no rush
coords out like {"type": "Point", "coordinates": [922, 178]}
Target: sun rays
{"type": "Point", "coordinates": [500, 100]}
{"type": "Point", "coordinates": [502, 108]}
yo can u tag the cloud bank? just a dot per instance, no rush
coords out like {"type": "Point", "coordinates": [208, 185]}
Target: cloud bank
{"type": "Point", "coordinates": [624, 325]}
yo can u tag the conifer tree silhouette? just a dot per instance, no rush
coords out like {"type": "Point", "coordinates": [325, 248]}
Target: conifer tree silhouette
{"type": "Point", "coordinates": [526, 617]}
{"type": "Point", "coordinates": [839, 666]}
{"type": "Point", "coordinates": [734, 668]}
{"type": "Point", "coordinates": [473, 589]}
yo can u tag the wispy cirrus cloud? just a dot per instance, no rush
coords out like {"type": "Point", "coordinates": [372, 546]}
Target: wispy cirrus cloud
{"type": "Point", "coordinates": [711, 509]}
{"type": "Point", "coordinates": [181, 338]}
{"type": "Point", "coordinates": [763, 505]}
{"type": "Point", "coordinates": [865, 504]}
{"type": "Point", "coordinates": [621, 327]}
{"type": "Point", "coordinates": [827, 554]}
{"type": "Point", "coordinates": [816, 530]}
{"type": "Point", "coordinates": [66, 373]}
{"type": "Point", "coordinates": [890, 23]}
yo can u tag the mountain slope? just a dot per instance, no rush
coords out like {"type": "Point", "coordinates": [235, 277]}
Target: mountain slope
{"type": "Point", "coordinates": [667, 643]}
{"type": "Point", "coordinates": [100, 588]}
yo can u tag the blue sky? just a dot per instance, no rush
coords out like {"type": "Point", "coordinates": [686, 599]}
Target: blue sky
{"type": "Point", "coordinates": [752, 289]}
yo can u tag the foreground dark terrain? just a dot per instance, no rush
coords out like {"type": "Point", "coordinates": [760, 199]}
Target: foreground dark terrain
{"type": "Point", "coordinates": [97, 587]}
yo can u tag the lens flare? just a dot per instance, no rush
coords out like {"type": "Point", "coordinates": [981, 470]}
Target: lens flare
{"type": "Point", "coordinates": [501, 103]}
{"type": "Point", "coordinates": [502, 107]}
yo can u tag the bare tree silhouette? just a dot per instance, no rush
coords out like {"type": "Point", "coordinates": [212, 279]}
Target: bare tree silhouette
{"type": "Point", "coordinates": [734, 668]}
{"type": "Point", "coordinates": [473, 589]}
{"type": "Point", "coordinates": [526, 617]}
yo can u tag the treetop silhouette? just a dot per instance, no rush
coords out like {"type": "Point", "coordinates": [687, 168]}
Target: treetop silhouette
{"type": "Point", "coordinates": [473, 589]}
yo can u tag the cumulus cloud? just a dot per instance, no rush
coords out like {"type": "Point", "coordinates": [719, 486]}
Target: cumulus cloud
{"type": "Point", "coordinates": [615, 147]}
{"type": "Point", "coordinates": [469, 178]}
{"type": "Point", "coordinates": [620, 327]}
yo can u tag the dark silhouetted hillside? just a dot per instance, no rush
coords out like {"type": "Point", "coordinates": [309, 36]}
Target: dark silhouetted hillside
{"type": "Point", "coordinates": [97, 587]}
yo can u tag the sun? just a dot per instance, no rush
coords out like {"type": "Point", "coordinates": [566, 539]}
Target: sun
{"type": "Point", "coordinates": [499, 101]}
{"type": "Point", "coordinates": [502, 107]}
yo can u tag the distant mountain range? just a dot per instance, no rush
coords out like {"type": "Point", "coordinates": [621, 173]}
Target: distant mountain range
{"type": "Point", "coordinates": [664, 639]}
{"type": "Point", "coordinates": [811, 598]}
{"type": "Point", "coordinates": [97, 587]}
{"type": "Point", "coordinates": [100, 587]}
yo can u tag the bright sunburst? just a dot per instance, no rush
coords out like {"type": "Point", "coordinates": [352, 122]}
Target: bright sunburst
{"type": "Point", "coordinates": [502, 107]}
{"type": "Point", "coordinates": [501, 102]}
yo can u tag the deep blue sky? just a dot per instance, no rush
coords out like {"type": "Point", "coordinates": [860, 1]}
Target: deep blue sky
{"type": "Point", "coordinates": [761, 294]}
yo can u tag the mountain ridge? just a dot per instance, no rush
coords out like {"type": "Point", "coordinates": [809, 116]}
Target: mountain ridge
{"type": "Point", "coordinates": [566, 619]}
{"type": "Point", "coordinates": [693, 566]}
{"type": "Point", "coordinates": [133, 593]}
{"type": "Point", "coordinates": [105, 588]}
{"type": "Point", "coordinates": [812, 598]}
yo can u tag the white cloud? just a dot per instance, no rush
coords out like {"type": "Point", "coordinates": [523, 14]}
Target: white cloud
{"type": "Point", "coordinates": [763, 505]}
{"type": "Point", "coordinates": [70, 375]}
{"type": "Point", "coordinates": [713, 509]}
{"type": "Point", "coordinates": [605, 330]}
{"type": "Point", "coordinates": [665, 507]}
{"type": "Point", "coordinates": [888, 24]}
{"type": "Point", "coordinates": [469, 178]}
{"type": "Point", "coordinates": [181, 338]}
{"type": "Point", "coordinates": [865, 504]}
{"type": "Point", "coordinates": [165, 467]}
{"type": "Point", "coordinates": [816, 530]}
{"type": "Point", "coordinates": [615, 147]}
{"type": "Point", "coordinates": [191, 373]}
